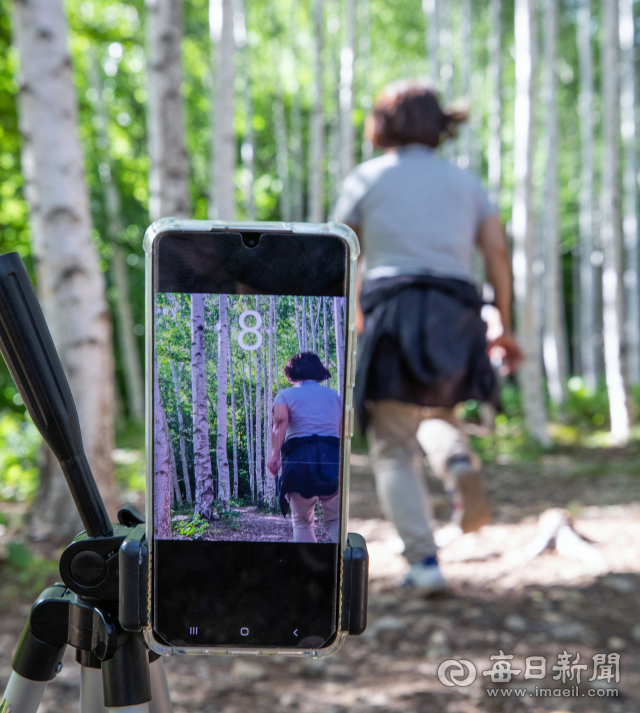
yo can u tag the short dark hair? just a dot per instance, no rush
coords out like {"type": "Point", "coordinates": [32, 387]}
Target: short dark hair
{"type": "Point", "coordinates": [306, 366]}
{"type": "Point", "coordinates": [410, 113]}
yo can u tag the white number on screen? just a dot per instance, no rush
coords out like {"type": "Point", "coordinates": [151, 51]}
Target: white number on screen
{"type": "Point", "coordinates": [250, 330]}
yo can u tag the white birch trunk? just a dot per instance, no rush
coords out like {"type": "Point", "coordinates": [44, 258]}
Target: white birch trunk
{"type": "Point", "coordinates": [174, 470]}
{"type": "Point", "coordinates": [70, 285]}
{"type": "Point", "coordinates": [234, 428]}
{"type": "Point", "coordinates": [465, 140]}
{"type": "Point", "coordinates": [364, 77]}
{"type": "Point", "coordinates": [169, 170]}
{"type": "Point", "coordinates": [630, 210]}
{"type": "Point", "coordinates": [326, 332]}
{"type": "Point", "coordinates": [201, 449]}
{"type": "Point", "coordinates": [258, 432]}
{"type": "Point", "coordinates": [337, 323]}
{"type": "Point", "coordinates": [611, 235]}
{"type": "Point", "coordinates": [298, 330]}
{"type": "Point", "coordinates": [494, 119]}
{"type": "Point", "coordinates": [430, 9]}
{"type": "Point", "coordinates": [588, 322]}
{"type": "Point", "coordinates": [249, 410]}
{"type": "Point", "coordinates": [282, 158]}
{"type": "Point", "coordinates": [524, 280]}
{"type": "Point", "coordinates": [316, 159]}
{"type": "Point", "coordinates": [554, 342]}
{"type": "Point", "coordinates": [162, 467]}
{"type": "Point", "coordinates": [222, 203]}
{"type": "Point", "coordinates": [312, 323]}
{"type": "Point", "coordinates": [247, 149]}
{"type": "Point", "coordinates": [303, 315]}
{"type": "Point", "coordinates": [347, 59]}
{"type": "Point", "coordinates": [222, 457]}
{"type": "Point", "coordinates": [134, 383]}
{"type": "Point", "coordinates": [270, 484]}
{"type": "Point", "coordinates": [183, 447]}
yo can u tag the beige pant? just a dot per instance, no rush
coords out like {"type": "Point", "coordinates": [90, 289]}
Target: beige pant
{"type": "Point", "coordinates": [303, 516]}
{"type": "Point", "coordinates": [399, 433]}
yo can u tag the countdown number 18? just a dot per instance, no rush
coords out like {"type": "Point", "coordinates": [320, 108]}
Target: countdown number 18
{"type": "Point", "coordinates": [244, 330]}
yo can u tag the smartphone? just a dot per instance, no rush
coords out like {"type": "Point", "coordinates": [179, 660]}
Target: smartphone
{"type": "Point", "coordinates": [250, 365]}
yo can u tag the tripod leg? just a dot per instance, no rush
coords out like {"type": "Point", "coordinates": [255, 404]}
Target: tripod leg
{"type": "Point", "coordinates": [22, 695]}
{"type": "Point", "coordinates": [91, 693]}
{"type": "Point", "coordinates": [125, 677]}
{"type": "Point", "coordinates": [160, 700]}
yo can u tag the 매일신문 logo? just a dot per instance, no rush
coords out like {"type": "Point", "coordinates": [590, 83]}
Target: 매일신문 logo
{"type": "Point", "coordinates": [454, 672]}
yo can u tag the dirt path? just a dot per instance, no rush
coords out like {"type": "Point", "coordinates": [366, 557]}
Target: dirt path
{"type": "Point", "coordinates": [249, 524]}
{"type": "Point", "coordinates": [552, 605]}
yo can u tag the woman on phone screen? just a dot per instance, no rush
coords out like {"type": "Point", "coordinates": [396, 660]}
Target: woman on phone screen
{"type": "Point", "coordinates": [423, 347]}
{"type": "Point", "coordinates": [306, 443]}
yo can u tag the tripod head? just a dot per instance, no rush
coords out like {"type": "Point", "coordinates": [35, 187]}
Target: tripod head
{"type": "Point", "coordinates": [28, 349]}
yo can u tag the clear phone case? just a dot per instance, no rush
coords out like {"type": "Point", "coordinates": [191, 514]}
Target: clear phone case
{"type": "Point", "coordinates": [166, 225]}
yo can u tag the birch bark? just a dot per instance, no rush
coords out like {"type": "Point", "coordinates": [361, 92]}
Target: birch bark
{"type": "Point", "coordinates": [630, 209]}
{"type": "Point", "coordinates": [494, 120]}
{"type": "Point", "coordinates": [183, 447]}
{"type": "Point", "coordinates": [134, 383]}
{"type": "Point", "coordinates": [587, 325]}
{"type": "Point", "coordinates": [337, 322]}
{"type": "Point", "coordinates": [174, 470]}
{"type": "Point", "coordinates": [70, 285]}
{"type": "Point", "coordinates": [247, 420]}
{"type": "Point", "coordinates": [224, 487]}
{"type": "Point", "coordinates": [316, 162]}
{"type": "Point", "coordinates": [222, 203]}
{"type": "Point", "coordinates": [303, 316]}
{"type": "Point", "coordinates": [162, 467]}
{"type": "Point", "coordinates": [258, 432]}
{"type": "Point", "coordinates": [347, 59]}
{"type": "Point", "coordinates": [234, 429]}
{"type": "Point", "coordinates": [554, 335]}
{"type": "Point", "coordinates": [270, 484]}
{"type": "Point", "coordinates": [201, 452]}
{"type": "Point", "coordinates": [169, 170]}
{"type": "Point", "coordinates": [611, 235]}
{"type": "Point", "coordinates": [525, 282]}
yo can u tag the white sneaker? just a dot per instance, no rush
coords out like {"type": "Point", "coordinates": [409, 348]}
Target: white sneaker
{"type": "Point", "coordinates": [424, 578]}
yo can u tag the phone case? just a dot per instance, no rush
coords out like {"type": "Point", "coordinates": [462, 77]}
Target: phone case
{"type": "Point", "coordinates": [166, 225]}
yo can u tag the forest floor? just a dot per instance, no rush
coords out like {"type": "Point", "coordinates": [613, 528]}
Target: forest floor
{"type": "Point", "coordinates": [251, 524]}
{"type": "Point", "coordinates": [497, 603]}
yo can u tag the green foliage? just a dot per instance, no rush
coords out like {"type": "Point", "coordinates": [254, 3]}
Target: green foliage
{"type": "Point", "coordinates": [193, 527]}
{"type": "Point", "coordinates": [585, 409]}
{"type": "Point", "coordinates": [19, 444]}
{"type": "Point", "coordinates": [23, 575]}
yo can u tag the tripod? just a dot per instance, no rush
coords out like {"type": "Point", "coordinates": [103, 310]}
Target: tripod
{"type": "Point", "coordinates": [101, 606]}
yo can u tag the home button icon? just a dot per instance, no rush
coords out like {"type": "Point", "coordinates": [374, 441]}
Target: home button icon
{"type": "Point", "coordinates": [244, 631]}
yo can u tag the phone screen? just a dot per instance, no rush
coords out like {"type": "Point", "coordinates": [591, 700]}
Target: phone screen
{"type": "Point", "coordinates": [249, 339]}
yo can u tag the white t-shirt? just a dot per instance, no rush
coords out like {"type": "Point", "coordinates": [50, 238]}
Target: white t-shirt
{"type": "Point", "coordinates": [416, 212]}
{"type": "Point", "coordinates": [313, 410]}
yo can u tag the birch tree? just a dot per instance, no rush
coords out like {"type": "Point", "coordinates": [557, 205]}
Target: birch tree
{"type": "Point", "coordinates": [316, 158]}
{"type": "Point", "coordinates": [183, 447]}
{"type": "Point", "coordinates": [465, 140]}
{"type": "Point", "coordinates": [201, 455]}
{"type": "Point", "coordinates": [587, 326]}
{"type": "Point", "coordinates": [554, 336]}
{"type": "Point", "coordinates": [248, 417]}
{"type": "Point", "coordinates": [134, 385]}
{"type": "Point", "coordinates": [630, 211]}
{"type": "Point", "coordinates": [71, 286]}
{"type": "Point", "coordinates": [337, 322]}
{"type": "Point", "coordinates": [224, 487]}
{"type": "Point", "coordinates": [347, 58]}
{"type": "Point", "coordinates": [174, 471]}
{"type": "Point", "coordinates": [169, 170]}
{"type": "Point", "coordinates": [247, 149]}
{"type": "Point", "coordinates": [258, 414]}
{"type": "Point", "coordinates": [610, 233]}
{"type": "Point", "coordinates": [221, 24]}
{"type": "Point", "coordinates": [524, 254]}
{"type": "Point", "coordinates": [270, 484]}
{"type": "Point", "coordinates": [234, 428]}
{"type": "Point", "coordinates": [494, 119]}
{"type": "Point", "coordinates": [162, 467]}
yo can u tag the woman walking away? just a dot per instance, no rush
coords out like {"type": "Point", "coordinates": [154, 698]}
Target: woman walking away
{"type": "Point", "coordinates": [306, 443]}
{"type": "Point", "coordinates": [423, 345]}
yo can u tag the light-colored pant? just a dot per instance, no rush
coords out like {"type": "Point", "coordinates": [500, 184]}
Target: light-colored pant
{"type": "Point", "coordinates": [303, 516]}
{"type": "Point", "coordinates": [398, 435]}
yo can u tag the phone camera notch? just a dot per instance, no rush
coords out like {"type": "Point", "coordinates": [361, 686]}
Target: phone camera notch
{"type": "Point", "coordinates": [250, 240]}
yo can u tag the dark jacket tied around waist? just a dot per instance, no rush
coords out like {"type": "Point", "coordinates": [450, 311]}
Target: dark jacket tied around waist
{"type": "Point", "coordinates": [424, 343]}
{"type": "Point", "coordinates": [310, 466]}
